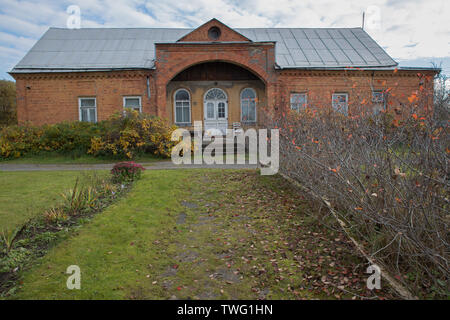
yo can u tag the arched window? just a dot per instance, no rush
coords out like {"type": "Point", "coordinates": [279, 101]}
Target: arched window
{"type": "Point", "coordinates": [215, 94]}
{"type": "Point", "coordinates": [182, 107]}
{"type": "Point", "coordinates": [248, 105]}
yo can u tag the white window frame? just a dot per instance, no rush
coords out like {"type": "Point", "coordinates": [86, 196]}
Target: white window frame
{"type": "Point", "coordinates": [381, 102]}
{"type": "Point", "coordinates": [298, 93]}
{"type": "Point", "coordinates": [95, 107]}
{"type": "Point", "coordinates": [346, 100]}
{"type": "Point", "coordinates": [256, 107]}
{"type": "Point", "coordinates": [382, 96]}
{"type": "Point", "coordinates": [133, 97]}
{"type": "Point", "coordinates": [175, 107]}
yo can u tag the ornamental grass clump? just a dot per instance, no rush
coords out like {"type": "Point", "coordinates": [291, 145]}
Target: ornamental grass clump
{"type": "Point", "coordinates": [125, 172]}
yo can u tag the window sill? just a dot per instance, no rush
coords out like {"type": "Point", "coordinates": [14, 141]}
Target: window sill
{"type": "Point", "coordinates": [184, 124]}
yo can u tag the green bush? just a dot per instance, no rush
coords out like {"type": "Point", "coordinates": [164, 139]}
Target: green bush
{"type": "Point", "coordinates": [69, 136]}
{"type": "Point", "coordinates": [8, 113]}
{"type": "Point", "coordinates": [124, 135]}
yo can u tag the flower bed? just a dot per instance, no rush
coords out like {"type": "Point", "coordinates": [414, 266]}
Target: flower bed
{"type": "Point", "coordinates": [127, 171]}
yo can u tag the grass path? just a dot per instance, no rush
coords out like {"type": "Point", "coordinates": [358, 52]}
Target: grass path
{"type": "Point", "coordinates": [202, 234]}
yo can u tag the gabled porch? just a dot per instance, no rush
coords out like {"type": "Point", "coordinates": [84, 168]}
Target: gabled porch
{"type": "Point", "coordinates": [222, 95]}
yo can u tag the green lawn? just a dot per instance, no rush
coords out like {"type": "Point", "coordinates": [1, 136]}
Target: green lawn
{"type": "Point", "coordinates": [201, 234]}
{"type": "Point", "coordinates": [56, 158]}
{"type": "Point", "coordinates": [24, 194]}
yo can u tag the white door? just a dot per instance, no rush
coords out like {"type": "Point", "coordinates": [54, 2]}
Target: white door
{"type": "Point", "coordinates": [216, 111]}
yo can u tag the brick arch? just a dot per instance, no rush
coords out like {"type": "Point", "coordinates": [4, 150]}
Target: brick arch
{"type": "Point", "coordinates": [166, 70]}
{"type": "Point", "coordinates": [255, 69]}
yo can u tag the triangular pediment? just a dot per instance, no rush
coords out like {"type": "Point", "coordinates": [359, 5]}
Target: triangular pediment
{"type": "Point", "coordinates": [214, 31]}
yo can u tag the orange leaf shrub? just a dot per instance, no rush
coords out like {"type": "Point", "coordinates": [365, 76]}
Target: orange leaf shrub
{"type": "Point", "coordinates": [388, 180]}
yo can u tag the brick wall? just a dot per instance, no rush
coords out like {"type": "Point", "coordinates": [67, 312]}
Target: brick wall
{"type": "Point", "coordinates": [52, 98]}
{"type": "Point", "coordinates": [320, 85]}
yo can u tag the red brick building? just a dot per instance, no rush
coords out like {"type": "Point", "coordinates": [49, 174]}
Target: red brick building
{"type": "Point", "coordinates": [213, 74]}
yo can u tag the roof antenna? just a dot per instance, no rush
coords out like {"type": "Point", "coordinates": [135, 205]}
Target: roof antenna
{"type": "Point", "coordinates": [363, 20]}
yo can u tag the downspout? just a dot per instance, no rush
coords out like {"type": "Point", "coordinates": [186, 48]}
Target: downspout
{"type": "Point", "coordinates": [27, 118]}
{"type": "Point", "coordinates": [148, 93]}
{"type": "Point", "coordinates": [371, 82]}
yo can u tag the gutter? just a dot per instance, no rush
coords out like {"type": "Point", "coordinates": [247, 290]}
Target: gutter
{"type": "Point", "coordinates": [361, 68]}
{"type": "Point", "coordinates": [50, 70]}
{"type": "Point", "coordinates": [276, 66]}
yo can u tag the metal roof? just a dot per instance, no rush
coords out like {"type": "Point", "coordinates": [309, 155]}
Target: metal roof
{"type": "Point", "coordinates": [134, 48]}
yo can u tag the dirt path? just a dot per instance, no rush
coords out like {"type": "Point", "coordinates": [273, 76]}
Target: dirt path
{"type": "Point", "coordinates": [254, 243]}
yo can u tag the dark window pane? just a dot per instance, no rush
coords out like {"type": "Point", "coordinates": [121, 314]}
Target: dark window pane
{"type": "Point", "coordinates": [221, 110]}
{"type": "Point", "coordinates": [132, 103]}
{"type": "Point", "coordinates": [182, 95]}
{"type": "Point", "coordinates": [92, 115]}
{"type": "Point", "coordinates": [186, 115]}
{"type": "Point", "coordinates": [178, 114]}
{"type": "Point", "coordinates": [252, 112]}
{"type": "Point", "coordinates": [245, 113]}
{"type": "Point", "coordinates": [87, 102]}
{"type": "Point", "coordinates": [339, 103]}
{"type": "Point", "coordinates": [298, 101]}
{"type": "Point", "coordinates": [84, 115]}
{"type": "Point", "coordinates": [210, 110]}
{"type": "Point", "coordinates": [248, 94]}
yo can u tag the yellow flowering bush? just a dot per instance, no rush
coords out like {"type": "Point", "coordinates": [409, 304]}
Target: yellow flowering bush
{"type": "Point", "coordinates": [123, 136]}
{"type": "Point", "coordinates": [17, 141]}
{"type": "Point", "coordinates": [66, 137]}
{"type": "Point", "coordinates": [130, 133]}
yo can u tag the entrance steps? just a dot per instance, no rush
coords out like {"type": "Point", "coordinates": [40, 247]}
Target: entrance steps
{"type": "Point", "coordinates": [230, 146]}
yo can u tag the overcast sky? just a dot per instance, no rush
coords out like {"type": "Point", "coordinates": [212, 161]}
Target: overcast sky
{"type": "Point", "coordinates": [413, 32]}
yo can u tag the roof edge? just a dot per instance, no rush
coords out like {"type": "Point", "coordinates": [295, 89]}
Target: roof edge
{"type": "Point", "coordinates": [55, 70]}
{"type": "Point", "coordinates": [363, 68]}
{"type": "Point", "coordinates": [379, 46]}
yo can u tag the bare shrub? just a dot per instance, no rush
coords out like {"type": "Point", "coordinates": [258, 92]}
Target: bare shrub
{"type": "Point", "coordinates": [386, 177]}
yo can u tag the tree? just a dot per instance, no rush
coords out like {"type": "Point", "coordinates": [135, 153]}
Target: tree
{"type": "Point", "coordinates": [441, 98]}
{"type": "Point", "coordinates": [8, 114]}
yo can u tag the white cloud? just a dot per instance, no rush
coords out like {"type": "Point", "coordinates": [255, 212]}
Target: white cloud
{"type": "Point", "coordinates": [22, 43]}
{"type": "Point", "coordinates": [410, 29]}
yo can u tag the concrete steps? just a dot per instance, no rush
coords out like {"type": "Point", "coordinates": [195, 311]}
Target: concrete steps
{"type": "Point", "coordinates": [230, 146]}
